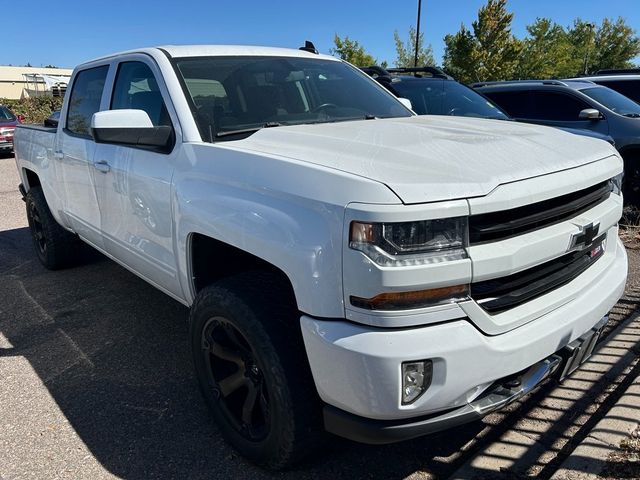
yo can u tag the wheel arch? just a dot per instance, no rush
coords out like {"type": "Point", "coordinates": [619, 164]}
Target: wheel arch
{"type": "Point", "coordinates": [210, 260]}
{"type": "Point", "coordinates": [30, 178]}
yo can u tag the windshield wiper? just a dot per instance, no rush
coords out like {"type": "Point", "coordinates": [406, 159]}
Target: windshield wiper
{"type": "Point", "coordinates": [631, 115]}
{"type": "Point", "coordinates": [247, 130]}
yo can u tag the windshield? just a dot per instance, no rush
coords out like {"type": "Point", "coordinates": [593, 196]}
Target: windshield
{"type": "Point", "coordinates": [614, 101]}
{"type": "Point", "coordinates": [446, 97]}
{"type": "Point", "coordinates": [242, 94]}
{"type": "Point", "coordinates": [5, 114]}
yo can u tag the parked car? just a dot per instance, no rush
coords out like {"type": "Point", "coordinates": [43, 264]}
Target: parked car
{"type": "Point", "coordinates": [349, 266]}
{"type": "Point", "coordinates": [8, 122]}
{"type": "Point", "coordinates": [579, 104]}
{"type": "Point", "coordinates": [433, 92]}
{"type": "Point", "coordinates": [624, 81]}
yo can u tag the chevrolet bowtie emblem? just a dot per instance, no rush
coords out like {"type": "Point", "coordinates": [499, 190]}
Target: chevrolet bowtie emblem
{"type": "Point", "coordinates": [584, 237]}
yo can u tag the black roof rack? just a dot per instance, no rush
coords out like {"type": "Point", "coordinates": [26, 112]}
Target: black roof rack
{"type": "Point", "coordinates": [309, 47]}
{"type": "Point", "coordinates": [516, 82]}
{"type": "Point", "coordinates": [387, 74]}
{"type": "Point", "coordinates": [619, 71]}
{"type": "Point", "coordinates": [375, 70]}
{"type": "Point", "coordinates": [434, 71]}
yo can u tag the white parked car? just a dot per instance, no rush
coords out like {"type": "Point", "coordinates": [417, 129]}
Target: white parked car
{"type": "Point", "coordinates": [349, 265]}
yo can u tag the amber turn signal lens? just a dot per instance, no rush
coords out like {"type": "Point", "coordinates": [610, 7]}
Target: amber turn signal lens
{"type": "Point", "coordinates": [408, 300]}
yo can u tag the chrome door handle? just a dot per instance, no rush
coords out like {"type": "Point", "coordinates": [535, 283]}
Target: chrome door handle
{"type": "Point", "coordinates": [58, 154]}
{"type": "Point", "coordinates": [102, 166]}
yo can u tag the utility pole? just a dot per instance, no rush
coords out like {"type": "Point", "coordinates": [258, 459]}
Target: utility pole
{"type": "Point", "coordinates": [415, 59]}
{"type": "Point", "coordinates": [591, 26]}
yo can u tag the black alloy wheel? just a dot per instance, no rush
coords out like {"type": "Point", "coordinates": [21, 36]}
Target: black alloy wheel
{"type": "Point", "coordinates": [37, 229]}
{"type": "Point", "coordinates": [251, 366]}
{"type": "Point", "coordinates": [237, 378]}
{"type": "Point", "coordinates": [56, 247]}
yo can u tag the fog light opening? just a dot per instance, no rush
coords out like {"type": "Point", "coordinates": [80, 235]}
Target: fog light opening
{"type": "Point", "coordinates": [416, 379]}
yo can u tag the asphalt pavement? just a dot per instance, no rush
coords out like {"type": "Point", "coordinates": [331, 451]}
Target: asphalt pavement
{"type": "Point", "coordinates": [96, 382]}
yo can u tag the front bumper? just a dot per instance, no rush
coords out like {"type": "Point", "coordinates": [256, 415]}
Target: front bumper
{"type": "Point", "coordinates": [357, 368]}
{"type": "Point", "coordinates": [500, 394]}
{"type": "Point", "coordinates": [378, 432]}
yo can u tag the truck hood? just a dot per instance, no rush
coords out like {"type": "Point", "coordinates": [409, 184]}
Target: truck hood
{"type": "Point", "coordinates": [431, 158]}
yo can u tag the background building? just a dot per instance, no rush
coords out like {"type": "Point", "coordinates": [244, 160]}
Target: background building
{"type": "Point", "coordinates": [21, 82]}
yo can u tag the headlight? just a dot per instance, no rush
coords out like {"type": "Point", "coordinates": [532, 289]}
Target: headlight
{"type": "Point", "coordinates": [616, 183]}
{"type": "Point", "coordinates": [411, 243]}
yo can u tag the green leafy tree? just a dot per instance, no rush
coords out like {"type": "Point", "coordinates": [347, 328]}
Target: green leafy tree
{"type": "Point", "coordinates": [546, 52]}
{"type": "Point", "coordinates": [459, 57]}
{"type": "Point", "coordinates": [581, 35]}
{"type": "Point", "coordinates": [615, 44]}
{"type": "Point", "coordinates": [491, 52]}
{"type": "Point", "coordinates": [351, 51]}
{"type": "Point", "coordinates": [612, 44]}
{"type": "Point", "coordinates": [497, 51]}
{"type": "Point", "coordinates": [406, 51]}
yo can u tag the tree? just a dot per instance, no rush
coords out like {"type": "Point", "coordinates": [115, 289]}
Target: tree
{"type": "Point", "coordinates": [497, 49]}
{"type": "Point", "coordinates": [546, 52]}
{"type": "Point", "coordinates": [351, 51]}
{"type": "Point", "coordinates": [459, 58]}
{"type": "Point", "coordinates": [491, 52]}
{"type": "Point", "coordinates": [406, 51]}
{"type": "Point", "coordinates": [614, 46]}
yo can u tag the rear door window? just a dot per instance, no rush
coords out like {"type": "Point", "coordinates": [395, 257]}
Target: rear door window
{"type": "Point", "coordinates": [85, 98]}
{"type": "Point", "coordinates": [516, 103]}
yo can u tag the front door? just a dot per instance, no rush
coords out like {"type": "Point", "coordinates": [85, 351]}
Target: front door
{"type": "Point", "coordinates": [562, 109]}
{"type": "Point", "coordinates": [134, 185]}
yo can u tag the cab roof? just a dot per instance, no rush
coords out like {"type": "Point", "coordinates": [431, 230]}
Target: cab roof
{"type": "Point", "coordinates": [178, 51]}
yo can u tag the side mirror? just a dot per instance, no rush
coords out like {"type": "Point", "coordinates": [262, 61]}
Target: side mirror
{"type": "Point", "coordinates": [589, 114]}
{"type": "Point", "coordinates": [130, 127]}
{"type": "Point", "coordinates": [406, 102]}
{"type": "Point", "coordinates": [20, 118]}
{"type": "Point", "coordinates": [51, 122]}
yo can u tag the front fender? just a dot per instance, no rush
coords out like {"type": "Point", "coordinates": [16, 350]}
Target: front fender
{"type": "Point", "coordinates": [289, 214]}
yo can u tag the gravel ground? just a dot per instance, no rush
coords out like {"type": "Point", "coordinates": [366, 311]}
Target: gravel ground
{"type": "Point", "coordinates": [96, 383]}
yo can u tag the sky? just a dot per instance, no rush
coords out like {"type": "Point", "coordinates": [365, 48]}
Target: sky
{"type": "Point", "coordinates": [67, 33]}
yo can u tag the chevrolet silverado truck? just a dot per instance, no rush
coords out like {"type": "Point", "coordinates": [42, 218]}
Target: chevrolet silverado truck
{"type": "Point", "coordinates": [350, 267]}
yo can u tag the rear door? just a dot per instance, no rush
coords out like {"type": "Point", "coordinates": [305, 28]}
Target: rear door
{"type": "Point", "coordinates": [74, 153]}
{"type": "Point", "coordinates": [133, 186]}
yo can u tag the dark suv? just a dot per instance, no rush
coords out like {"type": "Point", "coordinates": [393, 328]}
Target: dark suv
{"type": "Point", "coordinates": [432, 92]}
{"type": "Point", "coordinates": [8, 122]}
{"type": "Point", "coordinates": [625, 81]}
{"type": "Point", "coordinates": [577, 104]}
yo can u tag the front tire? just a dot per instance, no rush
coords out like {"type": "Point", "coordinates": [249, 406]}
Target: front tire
{"type": "Point", "coordinates": [56, 247]}
{"type": "Point", "coordinates": [252, 370]}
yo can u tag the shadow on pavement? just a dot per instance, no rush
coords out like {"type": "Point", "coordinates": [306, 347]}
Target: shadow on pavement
{"type": "Point", "coordinates": [113, 353]}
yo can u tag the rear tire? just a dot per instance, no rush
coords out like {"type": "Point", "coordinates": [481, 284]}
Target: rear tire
{"type": "Point", "coordinates": [56, 247]}
{"type": "Point", "coordinates": [252, 369]}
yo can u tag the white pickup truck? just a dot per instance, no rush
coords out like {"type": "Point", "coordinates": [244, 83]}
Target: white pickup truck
{"type": "Point", "coordinates": [350, 267]}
